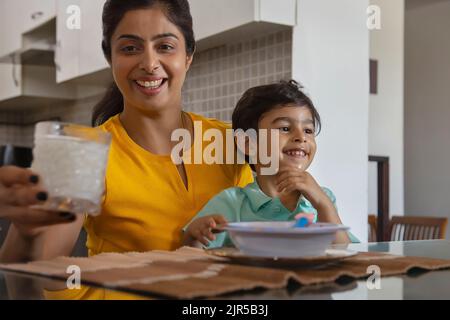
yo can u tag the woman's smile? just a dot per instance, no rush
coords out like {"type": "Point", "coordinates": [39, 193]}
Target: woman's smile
{"type": "Point", "coordinates": [150, 86]}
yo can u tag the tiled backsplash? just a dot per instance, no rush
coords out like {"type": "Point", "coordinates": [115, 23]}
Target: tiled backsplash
{"type": "Point", "coordinates": [21, 133]}
{"type": "Point", "coordinates": [219, 76]}
{"type": "Point", "coordinates": [10, 128]}
{"type": "Point", "coordinates": [10, 134]}
{"type": "Point", "coordinates": [217, 79]}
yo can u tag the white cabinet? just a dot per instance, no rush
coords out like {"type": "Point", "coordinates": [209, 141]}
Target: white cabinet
{"type": "Point", "coordinates": [19, 17]}
{"type": "Point", "coordinates": [90, 50]}
{"type": "Point", "coordinates": [11, 80]}
{"type": "Point", "coordinates": [278, 11]}
{"type": "Point", "coordinates": [36, 12]}
{"type": "Point", "coordinates": [67, 43]}
{"type": "Point", "coordinates": [31, 86]}
{"type": "Point", "coordinates": [78, 50]}
{"type": "Point", "coordinates": [11, 33]}
{"type": "Point", "coordinates": [29, 80]}
{"type": "Point", "coordinates": [212, 17]}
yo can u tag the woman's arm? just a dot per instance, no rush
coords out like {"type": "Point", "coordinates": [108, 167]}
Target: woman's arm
{"type": "Point", "coordinates": [54, 241]}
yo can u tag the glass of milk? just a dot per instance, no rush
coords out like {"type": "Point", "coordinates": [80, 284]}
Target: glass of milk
{"type": "Point", "coordinates": [71, 160]}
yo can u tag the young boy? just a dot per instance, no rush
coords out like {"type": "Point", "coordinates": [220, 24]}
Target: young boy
{"type": "Point", "coordinates": [287, 195]}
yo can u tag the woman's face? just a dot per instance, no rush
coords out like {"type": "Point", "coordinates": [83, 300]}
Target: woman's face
{"type": "Point", "coordinates": [149, 60]}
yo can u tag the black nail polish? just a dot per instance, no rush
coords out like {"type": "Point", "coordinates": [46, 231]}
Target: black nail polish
{"type": "Point", "coordinates": [65, 214]}
{"type": "Point", "coordinates": [34, 179]}
{"type": "Point", "coordinates": [42, 196]}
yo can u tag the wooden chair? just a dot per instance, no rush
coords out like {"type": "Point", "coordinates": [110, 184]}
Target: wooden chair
{"type": "Point", "coordinates": [372, 224]}
{"type": "Point", "coordinates": [416, 228]}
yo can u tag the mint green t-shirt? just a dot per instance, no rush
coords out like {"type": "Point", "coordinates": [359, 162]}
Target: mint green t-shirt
{"type": "Point", "coordinates": [252, 204]}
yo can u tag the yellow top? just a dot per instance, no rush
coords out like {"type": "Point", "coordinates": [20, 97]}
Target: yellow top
{"type": "Point", "coordinates": [91, 293]}
{"type": "Point", "coordinates": [146, 203]}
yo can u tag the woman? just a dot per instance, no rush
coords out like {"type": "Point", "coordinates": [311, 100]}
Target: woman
{"type": "Point", "coordinates": [149, 45]}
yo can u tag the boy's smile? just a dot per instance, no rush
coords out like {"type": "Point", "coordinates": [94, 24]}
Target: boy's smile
{"type": "Point", "coordinates": [297, 143]}
{"type": "Point", "coordinates": [296, 153]}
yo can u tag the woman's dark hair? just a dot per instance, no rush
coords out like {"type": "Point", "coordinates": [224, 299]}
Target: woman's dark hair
{"type": "Point", "coordinates": [176, 11]}
{"type": "Point", "coordinates": [257, 101]}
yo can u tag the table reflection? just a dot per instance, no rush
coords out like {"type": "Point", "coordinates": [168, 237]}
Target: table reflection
{"type": "Point", "coordinates": [415, 285]}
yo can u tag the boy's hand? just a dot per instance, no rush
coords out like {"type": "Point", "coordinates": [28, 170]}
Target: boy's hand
{"type": "Point", "coordinates": [294, 179]}
{"type": "Point", "coordinates": [203, 229]}
{"type": "Point", "coordinates": [309, 216]}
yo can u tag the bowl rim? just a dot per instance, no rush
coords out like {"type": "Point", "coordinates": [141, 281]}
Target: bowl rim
{"type": "Point", "coordinates": [316, 228]}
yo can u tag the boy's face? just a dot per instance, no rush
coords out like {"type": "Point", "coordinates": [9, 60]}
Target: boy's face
{"type": "Point", "coordinates": [297, 140]}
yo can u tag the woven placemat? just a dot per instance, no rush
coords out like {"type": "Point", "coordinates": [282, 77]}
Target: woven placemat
{"type": "Point", "coordinates": [191, 273]}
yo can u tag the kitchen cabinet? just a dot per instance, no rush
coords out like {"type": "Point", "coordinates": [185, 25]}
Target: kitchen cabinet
{"type": "Point", "coordinates": [11, 35]}
{"type": "Point", "coordinates": [11, 80]}
{"type": "Point", "coordinates": [78, 51]}
{"type": "Point", "coordinates": [34, 13]}
{"type": "Point", "coordinates": [67, 43]}
{"type": "Point", "coordinates": [214, 17]}
{"type": "Point", "coordinates": [19, 17]}
{"type": "Point", "coordinates": [90, 50]}
{"type": "Point", "coordinates": [28, 86]}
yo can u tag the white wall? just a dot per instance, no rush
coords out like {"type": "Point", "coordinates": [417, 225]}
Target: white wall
{"type": "Point", "coordinates": [427, 104]}
{"type": "Point", "coordinates": [331, 59]}
{"type": "Point", "coordinates": [386, 107]}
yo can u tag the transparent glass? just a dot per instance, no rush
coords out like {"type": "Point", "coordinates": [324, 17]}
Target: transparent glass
{"type": "Point", "coordinates": [71, 160]}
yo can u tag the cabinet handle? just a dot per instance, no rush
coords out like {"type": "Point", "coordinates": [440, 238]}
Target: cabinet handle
{"type": "Point", "coordinates": [14, 76]}
{"type": "Point", "coordinates": [37, 15]}
{"type": "Point", "coordinates": [14, 68]}
{"type": "Point", "coordinates": [56, 60]}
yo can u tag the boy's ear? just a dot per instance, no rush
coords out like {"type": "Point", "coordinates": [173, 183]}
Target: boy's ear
{"type": "Point", "coordinates": [246, 144]}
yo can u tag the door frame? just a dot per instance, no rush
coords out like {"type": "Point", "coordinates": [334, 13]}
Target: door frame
{"type": "Point", "coordinates": [383, 196]}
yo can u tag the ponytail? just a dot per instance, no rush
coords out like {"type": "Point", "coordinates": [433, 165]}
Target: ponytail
{"type": "Point", "coordinates": [110, 105]}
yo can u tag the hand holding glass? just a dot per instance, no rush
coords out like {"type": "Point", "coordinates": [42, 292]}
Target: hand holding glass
{"type": "Point", "coordinates": [71, 159]}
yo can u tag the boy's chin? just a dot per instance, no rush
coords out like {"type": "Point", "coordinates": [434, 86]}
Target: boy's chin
{"type": "Point", "coordinates": [302, 165]}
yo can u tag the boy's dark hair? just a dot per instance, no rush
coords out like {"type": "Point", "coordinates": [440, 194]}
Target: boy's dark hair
{"type": "Point", "coordinates": [257, 101]}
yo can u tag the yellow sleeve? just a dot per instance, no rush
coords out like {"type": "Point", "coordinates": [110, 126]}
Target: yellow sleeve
{"type": "Point", "coordinates": [244, 176]}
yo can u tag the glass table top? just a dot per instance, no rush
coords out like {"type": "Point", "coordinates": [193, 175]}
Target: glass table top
{"type": "Point", "coordinates": [416, 285]}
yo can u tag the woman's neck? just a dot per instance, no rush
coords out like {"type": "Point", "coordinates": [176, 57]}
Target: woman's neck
{"type": "Point", "coordinates": [267, 184]}
{"type": "Point", "coordinates": [152, 131]}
